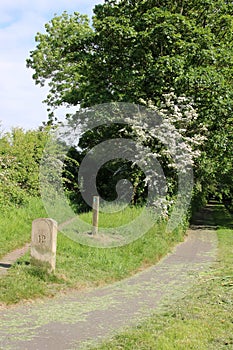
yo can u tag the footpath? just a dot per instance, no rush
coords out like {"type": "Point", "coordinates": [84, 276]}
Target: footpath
{"type": "Point", "coordinates": [80, 318]}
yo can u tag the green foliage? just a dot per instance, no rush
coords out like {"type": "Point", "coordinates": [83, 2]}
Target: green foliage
{"type": "Point", "coordinates": [141, 50]}
{"type": "Point", "coordinates": [138, 49]}
{"type": "Point", "coordinates": [60, 57]}
{"type": "Point", "coordinates": [20, 155]}
{"type": "Point", "coordinates": [109, 174]}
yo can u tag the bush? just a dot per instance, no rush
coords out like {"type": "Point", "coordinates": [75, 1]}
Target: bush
{"type": "Point", "coordinates": [20, 155]}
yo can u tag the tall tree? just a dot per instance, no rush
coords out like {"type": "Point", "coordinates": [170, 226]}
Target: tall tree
{"type": "Point", "coordinates": [141, 49]}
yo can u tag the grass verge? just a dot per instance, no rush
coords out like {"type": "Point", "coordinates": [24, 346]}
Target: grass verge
{"type": "Point", "coordinates": [15, 225]}
{"type": "Point", "coordinates": [201, 320]}
{"type": "Point", "coordinates": [79, 266]}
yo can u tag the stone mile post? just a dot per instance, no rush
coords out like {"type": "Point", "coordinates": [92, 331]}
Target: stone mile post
{"type": "Point", "coordinates": [44, 243]}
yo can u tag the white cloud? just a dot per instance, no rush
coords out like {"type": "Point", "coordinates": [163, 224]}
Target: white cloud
{"type": "Point", "coordinates": [20, 100]}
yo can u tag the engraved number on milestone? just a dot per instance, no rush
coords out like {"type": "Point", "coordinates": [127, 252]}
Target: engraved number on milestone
{"type": "Point", "coordinates": [41, 239]}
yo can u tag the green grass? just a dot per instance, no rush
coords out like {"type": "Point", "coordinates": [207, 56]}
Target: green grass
{"type": "Point", "coordinates": [117, 228]}
{"type": "Point", "coordinates": [201, 320]}
{"type": "Point", "coordinates": [118, 218]}
{"type": "Point", "coordinates": [79, 266]}
{"type": "Point", "coordinates": [15, 225]}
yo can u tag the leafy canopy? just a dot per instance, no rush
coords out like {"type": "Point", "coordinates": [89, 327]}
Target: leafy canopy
{"type": "Point", "coordinates": [144, 49]}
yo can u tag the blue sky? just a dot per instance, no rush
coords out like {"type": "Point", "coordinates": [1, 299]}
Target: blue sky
{"type": "Point", "coordinates": [20, 20]}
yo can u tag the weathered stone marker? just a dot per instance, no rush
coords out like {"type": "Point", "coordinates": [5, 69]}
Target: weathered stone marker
{"type": "Point", "coordinates": [44, 243]}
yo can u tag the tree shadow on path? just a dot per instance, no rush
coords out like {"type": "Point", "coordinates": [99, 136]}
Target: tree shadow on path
{"type": "Point", "coordinates": [210, 218]}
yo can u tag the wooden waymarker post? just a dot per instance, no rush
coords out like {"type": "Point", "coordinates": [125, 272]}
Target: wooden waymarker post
{"type": "Point", "coordinates": [95, 218]}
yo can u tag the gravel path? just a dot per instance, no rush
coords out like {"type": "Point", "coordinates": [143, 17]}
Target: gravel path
{"type": "Point", "coordinates": [69, 322]}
